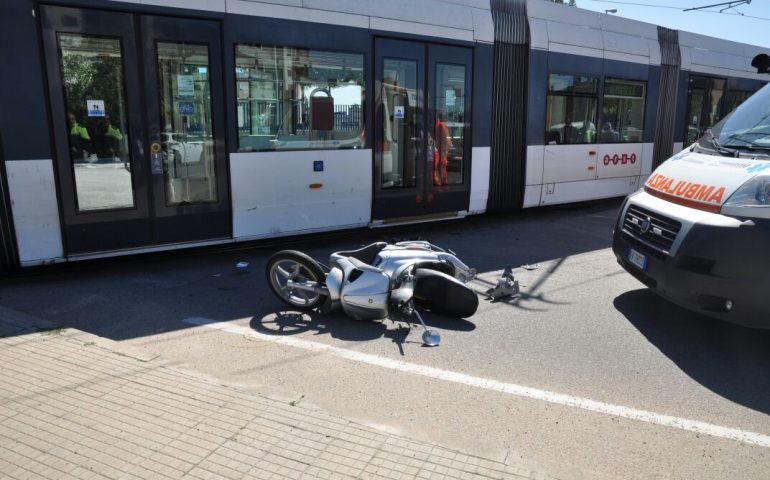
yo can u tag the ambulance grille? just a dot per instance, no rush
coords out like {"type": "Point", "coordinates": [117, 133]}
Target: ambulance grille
{"type": "Point", "coordinates": [660, 233]}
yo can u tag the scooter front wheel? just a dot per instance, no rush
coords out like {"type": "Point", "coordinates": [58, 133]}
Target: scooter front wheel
{"type": "Point", "coordinates": [293, 276]}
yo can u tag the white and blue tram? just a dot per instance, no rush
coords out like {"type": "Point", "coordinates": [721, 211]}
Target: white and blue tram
{"type": "Point", "coordinates": [141, 125]}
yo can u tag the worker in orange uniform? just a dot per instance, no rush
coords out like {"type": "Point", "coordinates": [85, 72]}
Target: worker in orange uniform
{"type": "Point", "coordinates": [441, 152]}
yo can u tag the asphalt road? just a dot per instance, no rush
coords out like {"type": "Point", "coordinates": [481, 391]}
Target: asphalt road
{"type": "Point", "coordinates": [581, 331]}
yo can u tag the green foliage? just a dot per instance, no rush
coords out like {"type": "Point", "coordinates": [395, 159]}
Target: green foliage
{"type": "Point", "coordinates": [93, 78]}
{"type": "Point", "coordinates": [53, 331]}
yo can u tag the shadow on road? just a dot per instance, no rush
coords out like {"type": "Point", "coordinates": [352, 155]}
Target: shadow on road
{"type": "Point", "coordinates": [728, 359]}
{"type": "Point", "coordinates": [341, 327]}
{"type": "Point", "coordinates": [145, 295]}
{"type": "Point", "coordinates": [527, 238]}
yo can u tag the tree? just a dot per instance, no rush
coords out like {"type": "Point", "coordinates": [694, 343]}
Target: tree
{"type": "Point", "coordinates": [88, 77]}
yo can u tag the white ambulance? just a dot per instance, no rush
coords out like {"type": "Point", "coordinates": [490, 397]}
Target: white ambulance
{"type": "Point", "coordinates": [698, 233]}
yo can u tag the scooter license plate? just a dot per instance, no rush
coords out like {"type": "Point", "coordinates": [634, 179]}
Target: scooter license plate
{"type": "Point", "coordinates": [637, 259]}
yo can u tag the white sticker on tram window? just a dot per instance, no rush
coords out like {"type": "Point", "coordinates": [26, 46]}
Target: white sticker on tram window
{"type": "Point", "coordinates": [399, 113]}
{"type": "Point", "coordinates": [450, 98]}
{"type": "Point", "coordinates": [185, 85]}
{"type": "Point", "coordinates": [95, 108]}
{"type": "Point", "coordinates": [157, 163]}
{"type": "Point", "coordinates": [412, 95]}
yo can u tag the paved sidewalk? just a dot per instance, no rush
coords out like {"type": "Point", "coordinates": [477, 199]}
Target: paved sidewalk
{"type": "Point", "coordinates": [71, 406]}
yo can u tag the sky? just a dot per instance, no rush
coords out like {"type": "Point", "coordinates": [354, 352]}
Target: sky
{"type": "Point", "coordinates": [752, 27]}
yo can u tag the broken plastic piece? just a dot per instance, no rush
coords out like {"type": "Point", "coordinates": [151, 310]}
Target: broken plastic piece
{"type": "Point", "coordinates": [530, 267]}
{"type": "Point", "coordinates": [507, 286]}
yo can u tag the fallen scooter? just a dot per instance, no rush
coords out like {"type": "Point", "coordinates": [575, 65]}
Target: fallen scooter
{"type": "Point", "coordinates": [378, 281]}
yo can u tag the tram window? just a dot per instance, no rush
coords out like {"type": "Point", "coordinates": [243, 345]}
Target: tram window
{"type": "Point", "coordinates": [187, 139]}
{"type": "Point", "coordinates": [704, 99]}
{"type": "Point", "coordinates": [695, 114]}
{"type": "Point", "coordinates": [298, 99]}
{"type": "Point", "coordinates": [402, 117]}
{"type": "Point", "coordinates": [571, 109]}
{"type": "Point", "coordinates": [622, 111]}
{"type": "Point", "coordinates": [97, 122]}
{"type": "Point", "coordinates": [734, 99]}
{"type": "Point", "coordinates": [714, 105]}
{"type": "Point", "coordinates": [449, 131]}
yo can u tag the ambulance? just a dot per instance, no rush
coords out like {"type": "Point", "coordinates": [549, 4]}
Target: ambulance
{"type": "Point", "coordinates": [698, 232]}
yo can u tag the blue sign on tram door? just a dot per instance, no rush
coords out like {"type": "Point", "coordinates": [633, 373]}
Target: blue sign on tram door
{"type": "Point", "coordinates": [186, 108]}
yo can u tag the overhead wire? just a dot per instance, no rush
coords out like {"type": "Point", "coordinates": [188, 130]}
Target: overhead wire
{"type": "Point", "coordinates": [638, 4]}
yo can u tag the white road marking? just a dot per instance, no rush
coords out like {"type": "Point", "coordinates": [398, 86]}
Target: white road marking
{"type": "Point", "coordinates": [743, 436]}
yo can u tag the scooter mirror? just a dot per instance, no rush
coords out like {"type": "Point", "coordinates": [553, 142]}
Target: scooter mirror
{"type": "Point", "coordinates": [431, 338]}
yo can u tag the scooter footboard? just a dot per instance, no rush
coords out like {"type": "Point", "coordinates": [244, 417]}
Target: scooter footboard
{"type": "Point", "coordinates": [443, 294]}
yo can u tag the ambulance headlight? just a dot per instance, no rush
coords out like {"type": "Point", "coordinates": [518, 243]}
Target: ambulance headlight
{"type": "Point", "coordinates": [752, 199]}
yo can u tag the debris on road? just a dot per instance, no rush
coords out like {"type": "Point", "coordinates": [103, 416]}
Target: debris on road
{"type": "Point", "coordinates": [241, 268]}
{"type": "Point", "coordinates": [507, 286]}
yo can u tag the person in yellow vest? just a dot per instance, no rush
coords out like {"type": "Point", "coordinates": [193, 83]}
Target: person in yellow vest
{"type": "Point", "coordinates": [108, 139]}
{"type": "Point", "coordinates": [80, 140]}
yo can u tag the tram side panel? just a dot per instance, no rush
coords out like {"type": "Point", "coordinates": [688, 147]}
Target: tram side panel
{"type": "Point", "coordinates": [538, 80]}
{"type": "Point", "coordinates": [303, 181]}
{"type": "Point", "coordinates": [593, 94]}
{"type": "Point", "coordinates": [654, 97]}
{"type": "Point", "coordinates": [716, 77]}
{"type": "Point", "coordinates": [28, 163]}
{"type": "Point", "coordinates": [483, 60]}
{"type": "Point", "coordinates": [600, 152]}
{"type": "Point", "coordinates": [299, 157]}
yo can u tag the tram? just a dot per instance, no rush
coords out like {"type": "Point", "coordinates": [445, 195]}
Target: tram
{"type": "Point", "coordinates": [147, 125]}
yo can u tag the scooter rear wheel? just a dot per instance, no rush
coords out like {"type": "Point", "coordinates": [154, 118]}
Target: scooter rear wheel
{"type": "Point", "coordinates": [300, 269]}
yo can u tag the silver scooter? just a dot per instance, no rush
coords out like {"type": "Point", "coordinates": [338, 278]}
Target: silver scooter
{"type": "Point", "coordinates": [378, 281]}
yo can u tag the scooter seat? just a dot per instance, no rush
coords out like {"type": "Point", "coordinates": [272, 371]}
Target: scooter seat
{"type": "Point", "coordinates": [365, 254]}
{"type": "Point", "coordinates": [364, 266]}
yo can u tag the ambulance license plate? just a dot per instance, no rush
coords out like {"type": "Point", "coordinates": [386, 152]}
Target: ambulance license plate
{"type": "Point", "coordinates": [637, 259]}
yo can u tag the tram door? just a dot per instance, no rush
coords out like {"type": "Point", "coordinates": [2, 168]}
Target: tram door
{"type": "Point", "coordinates": [705, 105]}
{"type": "Point", "coordinates": [136, 105]}
{"type": "Point", "coordinates": [422, 129]}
